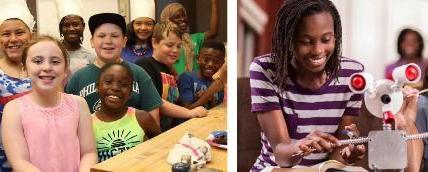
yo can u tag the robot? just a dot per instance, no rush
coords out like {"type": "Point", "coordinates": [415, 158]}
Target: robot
{"type": "Point", "coordinates": [383, 98]}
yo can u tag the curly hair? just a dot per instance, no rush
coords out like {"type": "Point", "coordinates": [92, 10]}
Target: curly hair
{"type": "Point", "coordinates": [285, 30]}
{"type": "Point", "coordinates": [188, 47]}
{"type": "Point", "coordinates": [400, 40]}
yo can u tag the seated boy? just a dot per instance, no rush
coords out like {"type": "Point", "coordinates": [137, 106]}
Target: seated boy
{"type": "Point", "coordinates": [192, 85]}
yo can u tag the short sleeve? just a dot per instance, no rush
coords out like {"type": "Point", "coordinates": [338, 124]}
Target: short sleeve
{"type": "Point", "coordinates": [185, 88]}
{"type": "Point", "coordinates": [72, 85]}
{"type": "Point", "coordinates": [421, 116]}
{"type": "Point", "coordinates": [198, 40]}
{"type": "Point", "coordinates": [354, 105]}
{"type": "Point", "coordinates": [149, 98]}
{"type": "Point", "coordinates": [263, 93]}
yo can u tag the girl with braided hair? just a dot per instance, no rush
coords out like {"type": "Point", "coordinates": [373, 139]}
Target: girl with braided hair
{"type": "Point", "coordinates": [300, 91]}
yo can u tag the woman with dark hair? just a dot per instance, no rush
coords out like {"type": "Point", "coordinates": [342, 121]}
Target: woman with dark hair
{"type": "Point", "coordinates": [140, 30]}
{"type": "Point", "coordinates": [410, 45]}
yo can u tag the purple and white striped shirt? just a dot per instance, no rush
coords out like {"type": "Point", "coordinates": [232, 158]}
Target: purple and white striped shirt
{"type": "Point", "coordinates": [304, 110]}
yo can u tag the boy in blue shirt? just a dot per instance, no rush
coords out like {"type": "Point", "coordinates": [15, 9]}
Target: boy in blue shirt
{"type": "Point", "coordinates": [192, 85]}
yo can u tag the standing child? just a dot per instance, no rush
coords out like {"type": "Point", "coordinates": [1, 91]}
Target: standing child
{"type": "Point", "coordinates": [54, 136]}
{"type": "Point", "coordinates": [71, 27]}
{"type": "Point", "coordinates": [192, 85]}
{"type": "Point", "coordinates": [16, 24]}
{"type": "Point", "coordinates": [166, 45]}
{"type": "Point", "coordinates": [115, 122]}
{"type": "Point", "coordinates": [140, 30]}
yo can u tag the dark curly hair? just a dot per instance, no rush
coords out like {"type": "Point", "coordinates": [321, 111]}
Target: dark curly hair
{"type": "Point", "coordinates": [400, 40]}
{"type": "Point", "coordinates": [285, 30]}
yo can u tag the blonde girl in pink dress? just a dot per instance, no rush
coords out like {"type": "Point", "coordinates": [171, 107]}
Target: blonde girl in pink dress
{"type": "Point", "coordinates": [48, 130]}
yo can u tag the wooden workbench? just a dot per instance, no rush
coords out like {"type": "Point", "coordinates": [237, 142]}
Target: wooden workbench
{"type": "Point", "coordinates": [151, 155]}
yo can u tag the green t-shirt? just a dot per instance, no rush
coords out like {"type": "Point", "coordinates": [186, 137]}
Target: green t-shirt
{"type": "Point", "coordinates": [180, 64]}
{"type": "Point", "coordinates": [115, 137]}
{"type": "Point", "coordinates": [144, 95]}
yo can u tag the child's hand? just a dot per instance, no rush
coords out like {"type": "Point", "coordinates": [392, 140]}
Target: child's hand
{"type": "Point", "coordinates": [407, 114]}
{"type": "Point", "coordinates": [200, 93]}
{"type": "Point", "coordinates": [317, 142]}
{"type": "Point", "coordinates": [198, 112]}
{"type": "Point", "coordinates": [352, 153]}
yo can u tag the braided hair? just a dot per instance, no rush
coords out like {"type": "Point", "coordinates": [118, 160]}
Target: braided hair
{"type": "Point", "coordinates": [285, 30]}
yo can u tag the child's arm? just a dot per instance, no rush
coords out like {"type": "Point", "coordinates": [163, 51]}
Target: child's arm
{"type": "Point", "coordinates": [405, 120]}
{"type": "Point", "coordinates": [206, 97]}
{"type": "Point", "coordinates": [176, 111]}
{"type": "Point", "coordinates": [214, 21]}
{"type": "Point", "coordinates": [147, 123]}
{"type": "Point", "coordinates": [88, 151]}
{"type": "Point", "coordinates": [274, 126]}
{"type": "Point", "coordinates": [14, 141]}
{"type": "Point", "coordinates": [185, 86]}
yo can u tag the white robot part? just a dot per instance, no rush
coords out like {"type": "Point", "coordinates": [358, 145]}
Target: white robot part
{"type": "Point", "coordinates": [409, 73]}
{"type": "Point", "coordinates": [384, 99]}
{"type": "Point", "coordinates": [361, 82]}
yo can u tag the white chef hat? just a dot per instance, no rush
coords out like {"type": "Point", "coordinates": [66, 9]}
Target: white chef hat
{"type": "Point", "coordinates": [16, 9]}
{"type": "Point", "coordinates": [142, 8]}
{"type": "Point", "coordinates": [68, 7]}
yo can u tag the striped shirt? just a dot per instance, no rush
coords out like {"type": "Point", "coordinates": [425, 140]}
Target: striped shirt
{"type": "Point", "coordinates": [304, 110]}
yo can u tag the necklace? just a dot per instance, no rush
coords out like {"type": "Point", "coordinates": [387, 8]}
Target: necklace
{"type": "Point", "coordinates": [140, 50]}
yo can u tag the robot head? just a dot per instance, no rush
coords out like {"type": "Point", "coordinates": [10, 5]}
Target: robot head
{"type": "Point", "coordinates": [384, 95]}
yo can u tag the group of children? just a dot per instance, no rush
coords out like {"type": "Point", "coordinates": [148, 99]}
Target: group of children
{"type": "Point", "coordinates": [128, 103]}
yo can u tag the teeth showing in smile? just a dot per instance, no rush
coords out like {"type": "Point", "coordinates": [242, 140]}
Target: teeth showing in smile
{"type": "Point", "coordinates": [317, 60]}
{"type": "Point", "coordinates": [113, 97]}
{"type": "Point", "coordinates": [47, 77]}
{"type": "Point", "coordinates": [15, 46]}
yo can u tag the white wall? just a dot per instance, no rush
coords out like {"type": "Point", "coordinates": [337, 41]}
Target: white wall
{"type": "Point", "coordinates": [48, 21]}
{"type": "Point", "coordinates": [371, 28]}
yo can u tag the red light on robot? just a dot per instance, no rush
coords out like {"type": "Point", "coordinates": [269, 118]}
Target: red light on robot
{"type": "Point", "coordinates": [358, 82]}
{"type": "Point", "coordinates": [412, 73]}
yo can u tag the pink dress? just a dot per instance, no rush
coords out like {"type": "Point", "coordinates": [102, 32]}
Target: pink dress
{"type": "Point", "coordinates": [51, 134]}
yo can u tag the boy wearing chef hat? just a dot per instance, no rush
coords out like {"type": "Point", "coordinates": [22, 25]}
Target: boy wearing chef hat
{"type": "Point", "coordinates": [71, 27]}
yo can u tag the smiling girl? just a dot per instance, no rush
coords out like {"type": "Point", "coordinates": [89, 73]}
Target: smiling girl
{"type": "Point", "coordinates": [53, 137]}
{"type": "Point", "coordinates": [300, 91]}
{"type": "Point", "coordinates": [128, 126]}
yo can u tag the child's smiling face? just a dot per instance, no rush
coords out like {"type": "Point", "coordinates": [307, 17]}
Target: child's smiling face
{"type": "Point", "coordinates": [210, 60]}
{"type": "Point", "coordinates": [115, 86]}
{"type": "Point", "coordinates": [314, 42]}
{"type": "Point", "coordinates": [46, 65]}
